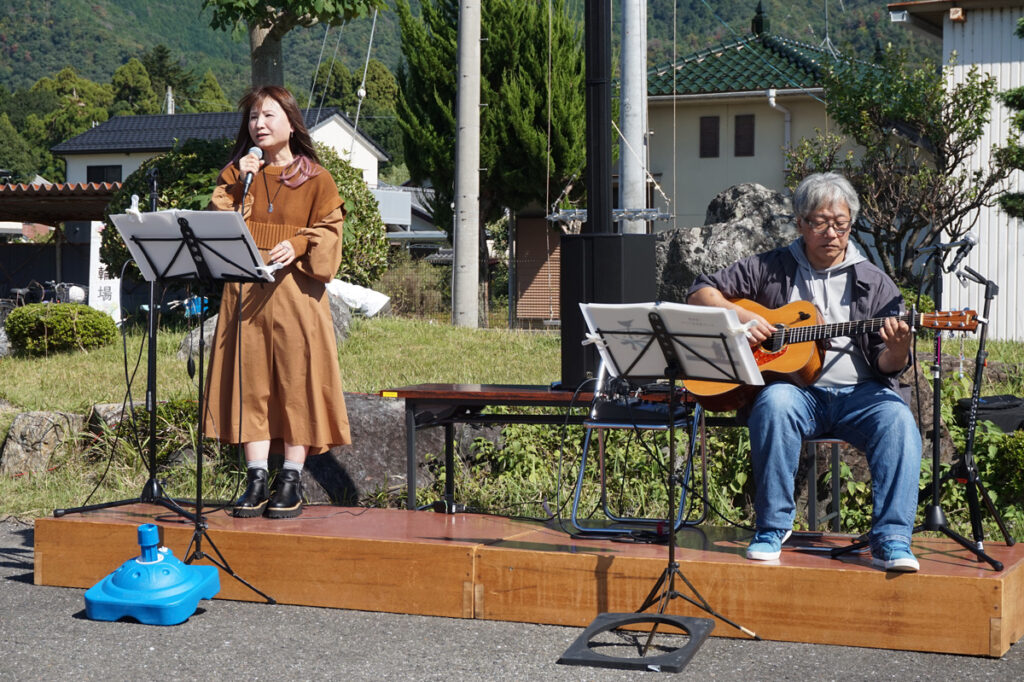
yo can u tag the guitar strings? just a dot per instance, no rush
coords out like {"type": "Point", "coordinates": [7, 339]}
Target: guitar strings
{"type": "Point", "coordinates": [788, 335]}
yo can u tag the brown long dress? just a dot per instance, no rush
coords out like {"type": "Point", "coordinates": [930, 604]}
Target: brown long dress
{"type": "Point", "coordinates": [280, 364]}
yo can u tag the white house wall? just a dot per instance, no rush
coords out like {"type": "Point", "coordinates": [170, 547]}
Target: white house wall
{"type": "Point", "coordinates": [335, 136]}
{"type": "Point", "coordinates": [330, 133]}
{"type": "Point", "coordinates": [77, 164]}
{"type": "Point", "coordinates": [691, 182]}
{"type": "Point", "coordinates": [987, 40]}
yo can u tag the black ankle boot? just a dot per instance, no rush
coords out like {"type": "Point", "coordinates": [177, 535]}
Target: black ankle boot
{"type": "Point", "coordinates": [254, 499]}
{"type": "Point", "coordinates": [286, 500]}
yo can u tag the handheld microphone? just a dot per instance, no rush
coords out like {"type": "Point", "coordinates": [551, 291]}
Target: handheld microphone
{"type": "Point", "coordinates": [967, 244]}
{"type": "Point", "coordinates": [258, 153]}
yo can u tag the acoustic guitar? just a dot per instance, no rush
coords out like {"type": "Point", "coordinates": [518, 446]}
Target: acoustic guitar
{"type": "Point", "coordinates": [795, 352]}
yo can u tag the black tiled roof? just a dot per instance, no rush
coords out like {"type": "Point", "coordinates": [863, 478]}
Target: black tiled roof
{"type": "Point", "coordinates": [160, 132]}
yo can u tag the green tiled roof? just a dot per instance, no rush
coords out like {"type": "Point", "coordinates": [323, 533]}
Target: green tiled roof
{"type": "Point", "coordinates": [753, 62]}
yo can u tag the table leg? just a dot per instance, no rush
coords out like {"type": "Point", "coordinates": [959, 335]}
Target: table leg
{"type": "Point", "coordinates": [410, 454]}
{"type": "Point", "coordinates": [449, 466]}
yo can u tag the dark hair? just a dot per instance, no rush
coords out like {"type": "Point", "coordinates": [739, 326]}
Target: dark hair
{"type": "Point", "coordinates": [301, 144]}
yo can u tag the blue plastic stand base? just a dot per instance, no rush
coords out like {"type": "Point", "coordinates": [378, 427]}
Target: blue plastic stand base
{"type": "Point", "coordinates": [155, 588]}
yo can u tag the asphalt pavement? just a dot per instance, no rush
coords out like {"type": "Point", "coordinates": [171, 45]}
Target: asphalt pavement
{"type": "Point", "coordinates": [45, 635]}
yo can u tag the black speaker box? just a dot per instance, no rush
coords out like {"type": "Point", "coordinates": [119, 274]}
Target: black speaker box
{"type": "Point", "coordinates": [599, 268]}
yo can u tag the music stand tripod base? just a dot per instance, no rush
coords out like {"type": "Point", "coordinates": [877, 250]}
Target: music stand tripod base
{"type": "Point", "coordinates": [584, 652]}
{"type": "Point", "coordinates": [655, 341]}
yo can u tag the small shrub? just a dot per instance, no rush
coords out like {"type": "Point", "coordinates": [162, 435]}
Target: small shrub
{"type": "Point", "coordinates": [924, 305]}
{"type": "Point", "coordinates": [1008, 468]}
{"type": "Point", "coordinates": [364, 253]}
{"type": "Point", "coordinates": [42, 328]}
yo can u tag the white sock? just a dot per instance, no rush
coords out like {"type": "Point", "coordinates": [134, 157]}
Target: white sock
{"type": "Point", "coordinates": [256, 464]}
{"type": "Point", "coordinates": [294, 466]}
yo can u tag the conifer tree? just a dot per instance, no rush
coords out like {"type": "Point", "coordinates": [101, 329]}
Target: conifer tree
{"type": "Point", "coordinates": [133, 91]}
{"type": "Point", "coordinates": [514, 159]}
{"type": "Point", "coordinates": [209, 97]}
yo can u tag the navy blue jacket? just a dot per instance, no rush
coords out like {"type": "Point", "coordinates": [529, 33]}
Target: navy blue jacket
{"type": "Point", "coordinates": [767, 279]}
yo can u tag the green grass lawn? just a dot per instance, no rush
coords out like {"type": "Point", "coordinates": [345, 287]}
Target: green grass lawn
{"type": "Point", "coordinates": [379, 354]}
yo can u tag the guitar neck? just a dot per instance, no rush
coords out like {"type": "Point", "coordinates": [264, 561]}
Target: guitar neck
{"type": "Point", "coordinates": [817, 332]}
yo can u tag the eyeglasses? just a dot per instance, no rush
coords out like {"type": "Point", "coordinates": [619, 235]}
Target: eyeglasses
{"type": "Point", "coordinates": [820, 226]}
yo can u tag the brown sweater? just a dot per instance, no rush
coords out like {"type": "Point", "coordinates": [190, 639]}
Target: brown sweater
{"type": "Point", "coordinates": [282, 350]}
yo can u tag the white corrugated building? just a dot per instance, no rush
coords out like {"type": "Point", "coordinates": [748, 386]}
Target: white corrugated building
{"type": "Point", "coordinates": [981, 32]}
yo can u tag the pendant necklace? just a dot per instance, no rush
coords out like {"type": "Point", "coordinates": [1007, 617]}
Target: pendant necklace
{"type": "Point", "coordinates": [270, 201]}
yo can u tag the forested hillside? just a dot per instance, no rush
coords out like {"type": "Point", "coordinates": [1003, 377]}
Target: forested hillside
{"type": "Point", "coordinates": [854, 26]}
{"type": "Point", "coordinates": [40, 37]}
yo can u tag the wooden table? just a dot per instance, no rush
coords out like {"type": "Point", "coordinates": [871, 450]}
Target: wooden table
{"type": "Point", "coordinates": [431, 405]}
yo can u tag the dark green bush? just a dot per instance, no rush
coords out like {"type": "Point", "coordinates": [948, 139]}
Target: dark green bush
{"type": "Point", "coordinates": [1001, 463]}
{"type": "Point", "coordinates": [924, 305]}
{"type": "Point", "coordinates": [185, 179]}
{"type": "Point", "coordinates": [364, 253]}
{"type": "Point", "coordinates": [42, 328]}
{"type": "Point", "coordinates": [188, 173]}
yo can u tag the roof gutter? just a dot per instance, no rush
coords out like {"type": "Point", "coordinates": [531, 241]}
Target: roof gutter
{"type": "Point", "coordinates": [744, 94]}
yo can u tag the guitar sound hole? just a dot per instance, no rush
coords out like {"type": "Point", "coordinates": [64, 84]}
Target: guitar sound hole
{"type": "Point", "coordinates": [773, 344]}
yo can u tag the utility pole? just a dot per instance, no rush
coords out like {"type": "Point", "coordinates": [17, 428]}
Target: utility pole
{"type": "Point", "coordinates": [466, 241]}
{"type": "Point", "coordinates": [633, 114]}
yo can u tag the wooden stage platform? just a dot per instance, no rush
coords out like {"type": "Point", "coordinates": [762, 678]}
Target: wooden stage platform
{"type": "Point", "coordinates": [475, 566]}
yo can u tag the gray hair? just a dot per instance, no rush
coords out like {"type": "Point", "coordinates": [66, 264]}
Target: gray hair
{"type": "Point", "coordinates": [820, 190]}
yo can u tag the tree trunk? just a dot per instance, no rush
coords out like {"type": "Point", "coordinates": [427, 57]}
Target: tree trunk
{"type": "Point", "coordinates": [265, 56]}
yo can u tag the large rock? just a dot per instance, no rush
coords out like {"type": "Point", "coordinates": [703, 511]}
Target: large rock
{"type": "Point", "coordinates": [341, 315]}
{"type": "Point", "coordinates": [375, 461]}
{"type": "Point", "coordinates": [33, 439]}
{"type": "Point", "coordinates": [741, 221]}
{"type": "Point", "coordinates": [189, 346]}
{"type": "Point", "coordinates": [110, 415]}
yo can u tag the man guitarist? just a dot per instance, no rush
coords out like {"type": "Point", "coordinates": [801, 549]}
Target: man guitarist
{"type": "Point", "coordinates": [856, 396]}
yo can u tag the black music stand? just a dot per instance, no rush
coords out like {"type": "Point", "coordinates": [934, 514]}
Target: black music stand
{"type": "Point", "coordinates": [152, 491]}
{"type": "Point", "coordinates": [649, 342]}
{"type": "Point", "coordinates": [167, 248]}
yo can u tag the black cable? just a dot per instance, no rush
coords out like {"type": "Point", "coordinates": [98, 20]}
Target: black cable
{"type": "Point", "coordinates": [129, 380]}
{"type": "Point", "coordinates": [559, 505]}
{"type": "Point", "coordinates": [556, 515]}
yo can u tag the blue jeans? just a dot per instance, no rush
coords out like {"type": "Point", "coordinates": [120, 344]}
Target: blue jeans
{"type": "Point", "coordinates": [868, 416]}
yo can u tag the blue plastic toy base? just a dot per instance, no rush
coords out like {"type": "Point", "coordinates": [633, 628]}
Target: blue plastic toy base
{"type": "Point", "coordinates": [155, 588]}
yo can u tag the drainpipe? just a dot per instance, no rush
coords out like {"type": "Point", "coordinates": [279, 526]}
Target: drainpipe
{"type": "Point", "coordinates": [788, 119]}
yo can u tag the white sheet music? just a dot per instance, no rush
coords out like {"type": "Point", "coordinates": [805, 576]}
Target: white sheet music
{"type": "Point", "coordinates": [154, 240]}
{"type": "Point", "coordinates": [710, 342]}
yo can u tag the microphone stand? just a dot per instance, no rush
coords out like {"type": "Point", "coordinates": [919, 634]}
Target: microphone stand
{"type": "Point", "coordinates": [934, 517]}
{"type": "Point", "coordinates": [966, 471]}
